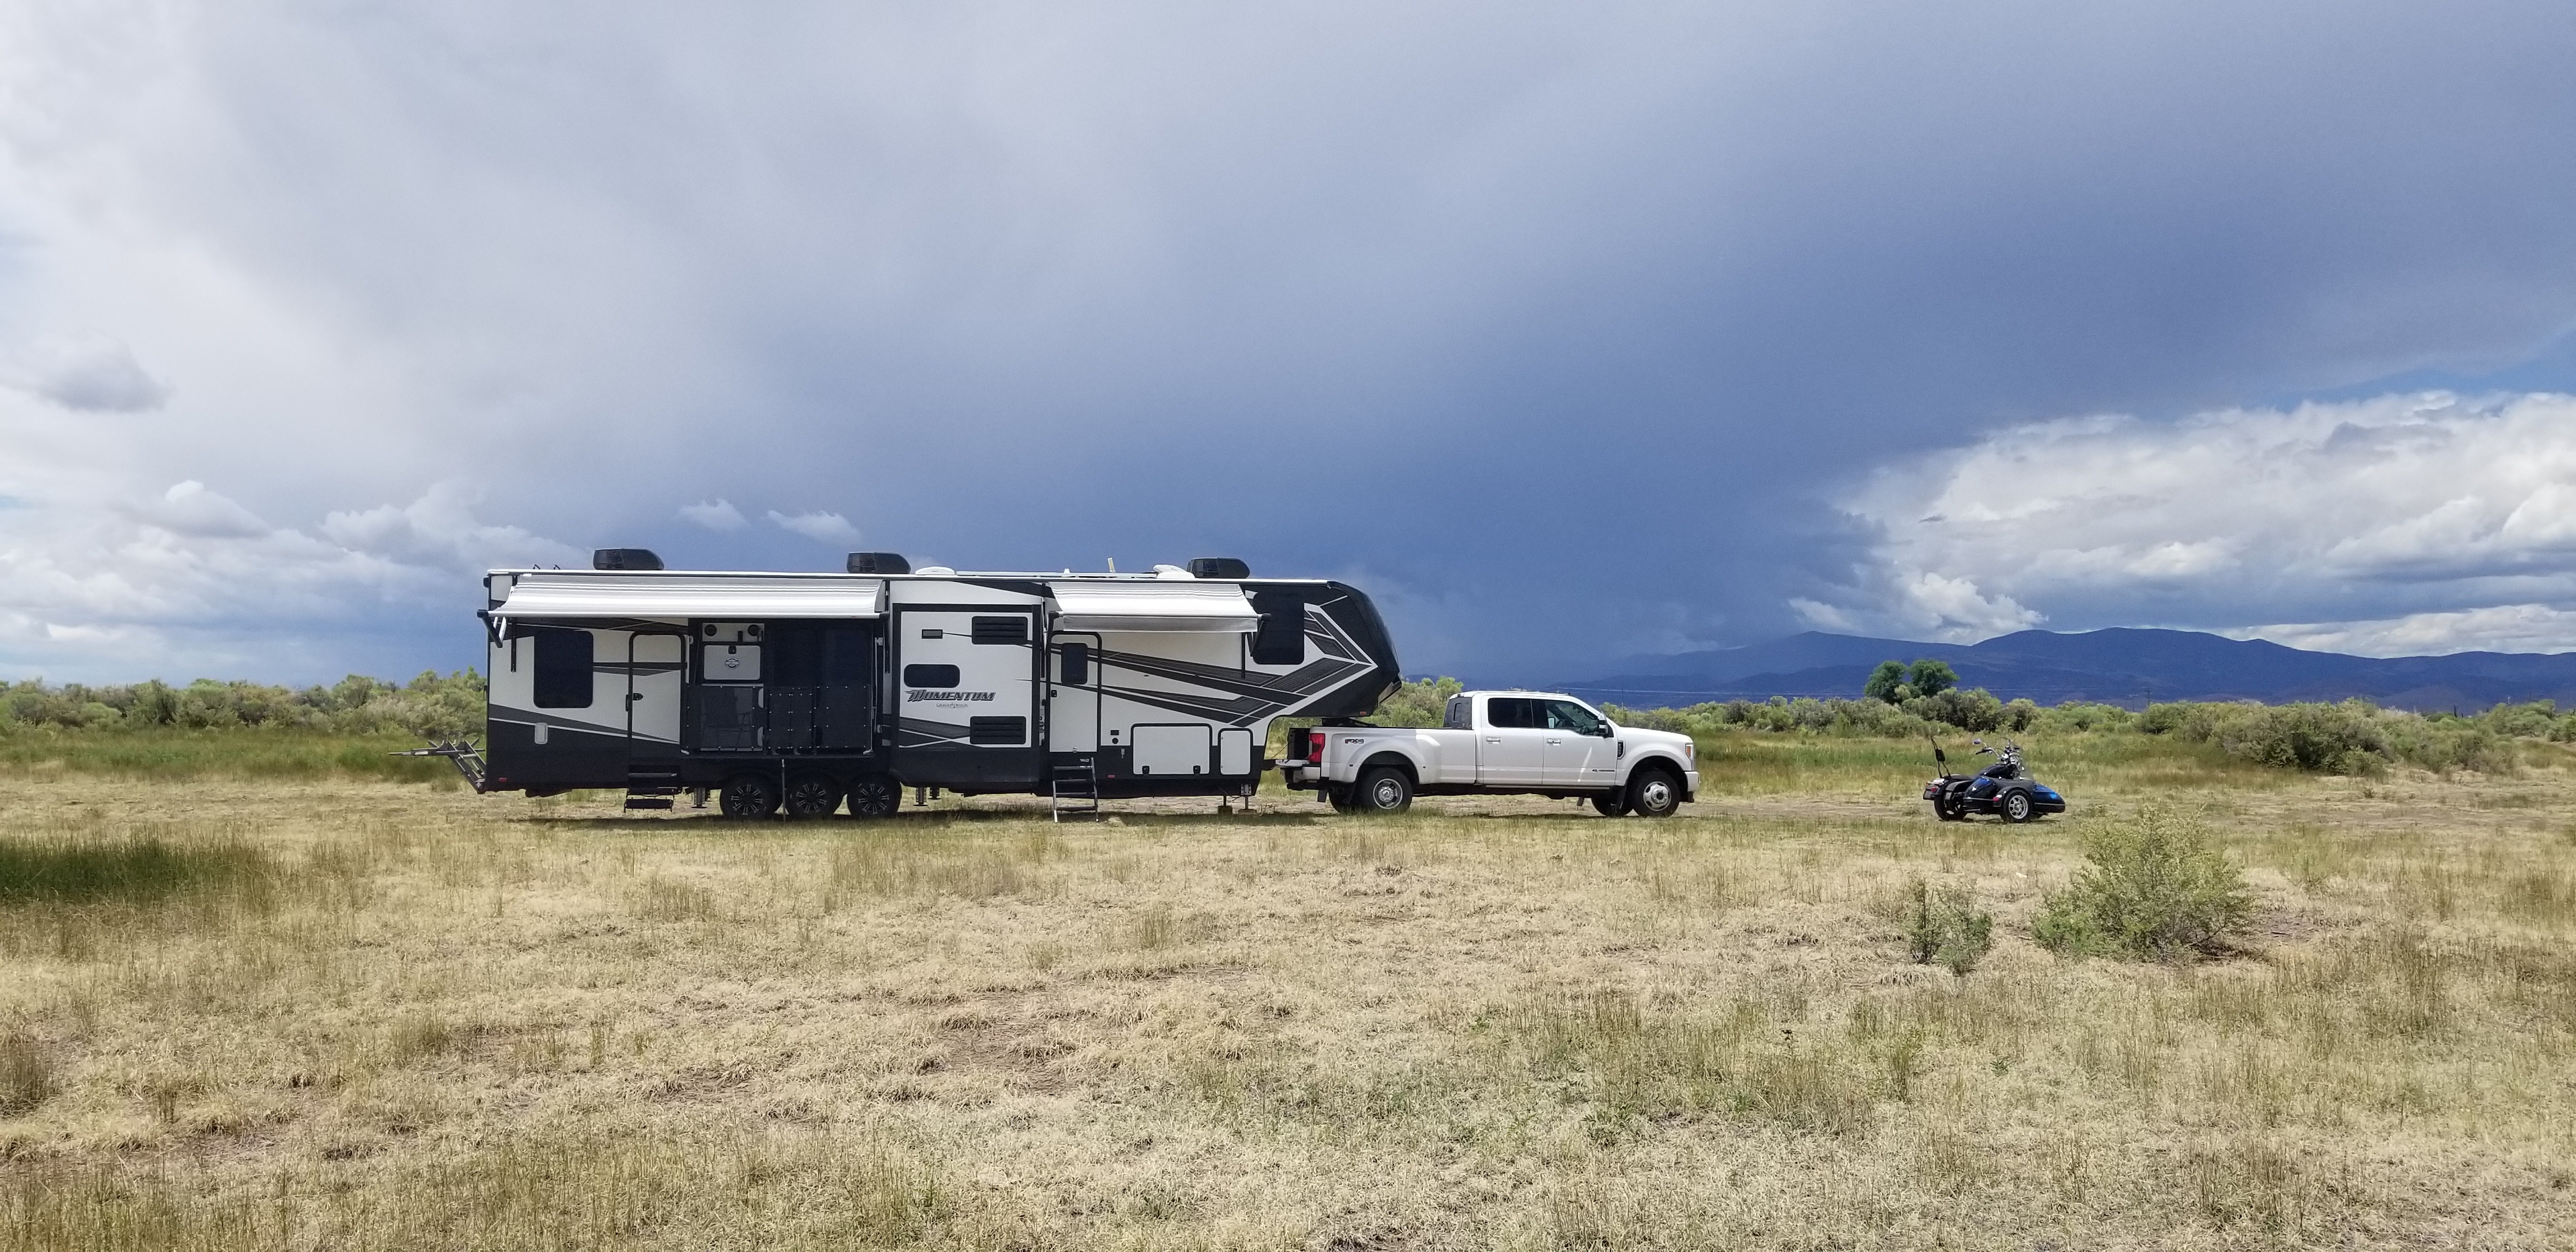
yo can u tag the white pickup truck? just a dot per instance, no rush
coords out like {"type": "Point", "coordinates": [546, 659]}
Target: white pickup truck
{"type": "Point", "coordinates": [1498, 743]}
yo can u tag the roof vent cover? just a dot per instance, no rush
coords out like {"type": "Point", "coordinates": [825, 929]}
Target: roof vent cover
{"type": "Point", "coordinates": [1219, 567]}
{"type": "Point", "coordinates": [625, 559]}
{"type": "Point", "coordinates": [879, 563]}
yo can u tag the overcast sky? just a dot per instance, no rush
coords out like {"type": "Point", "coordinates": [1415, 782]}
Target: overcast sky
{"type": "Point", "coordinates": [1570, 332]}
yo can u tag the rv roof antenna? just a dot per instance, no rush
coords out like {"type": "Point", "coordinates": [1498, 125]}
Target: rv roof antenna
{"type": "Point", "coordinates": [1113, 565]}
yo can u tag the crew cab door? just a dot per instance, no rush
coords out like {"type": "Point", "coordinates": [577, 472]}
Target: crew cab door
{"type": "Point", "coordinates": [1511, 743]}
{"type": "Point", "coordinates": [1579, 752]}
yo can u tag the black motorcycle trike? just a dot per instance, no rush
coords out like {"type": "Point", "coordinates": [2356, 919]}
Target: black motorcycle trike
{"type": "Point", "coordinates": [2003, 789]}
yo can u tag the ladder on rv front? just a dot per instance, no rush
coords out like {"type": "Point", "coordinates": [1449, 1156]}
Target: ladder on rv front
{"type": "Point", "coordinates": [1077, 788]}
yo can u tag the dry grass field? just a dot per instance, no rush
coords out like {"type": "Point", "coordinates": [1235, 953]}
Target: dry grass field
{"type": "Point", "coordinates": [373, 1014]}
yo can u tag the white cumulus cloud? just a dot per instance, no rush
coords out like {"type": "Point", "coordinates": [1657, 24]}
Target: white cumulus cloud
{"type": "Point", "coordinates": [717, 516]}
{"type": "Point", "coordinates": [191, 582]}
{"type": "Point", "coordinates": [819, 526]}
{"type": "Point", "coordinates": [2400, 524]}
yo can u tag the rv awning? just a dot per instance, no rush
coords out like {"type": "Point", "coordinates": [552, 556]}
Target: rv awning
{"type": "Point", "coordinates": [1161, 606]}
{"type": "Point", "coordinates": [556, 597]}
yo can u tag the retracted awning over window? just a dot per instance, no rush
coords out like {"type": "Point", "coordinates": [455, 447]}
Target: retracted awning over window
{"type": "Point", "coordinates": [1157, 606]}
{"type": "Point", "coordinates": [577, 597]}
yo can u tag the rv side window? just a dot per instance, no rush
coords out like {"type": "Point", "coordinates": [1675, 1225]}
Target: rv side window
{"type": "Point", "coordinates": [563, 669]}
{"type": "Point", "coordinates": [930, 675]}
{"type": "Point", "coordinates": [1012, 629]}
{"type": "Point", "coordinates": [1076, 664]}
{"type": "Point", "coordinates": [1281, 638]}
{"type": "Point", "coordinates": [1458, 713]}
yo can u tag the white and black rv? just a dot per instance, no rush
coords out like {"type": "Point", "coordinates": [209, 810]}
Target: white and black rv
{"type": "Point", "coordinates": [809, 690]}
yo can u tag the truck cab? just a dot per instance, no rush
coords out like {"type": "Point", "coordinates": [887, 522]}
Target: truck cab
{"type": "Point", "coordinates": [1498, 743]}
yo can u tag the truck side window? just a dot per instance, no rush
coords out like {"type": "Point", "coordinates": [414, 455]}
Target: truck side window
{"type": "Point", "coordinates": [1512, 713]}
{"type": "Point", "coordinates": [563, 669]}
{"type": "Point", "coordinates": [1457, 714]}
{"type": "Point", "coordinates": [1567, 715]}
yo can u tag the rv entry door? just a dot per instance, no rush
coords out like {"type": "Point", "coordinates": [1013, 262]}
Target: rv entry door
{"type": "Point", "coordinates": [1073, 699]}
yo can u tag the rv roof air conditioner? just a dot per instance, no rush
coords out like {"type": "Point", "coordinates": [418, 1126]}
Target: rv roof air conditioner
{"type": "Point", "coordinates": [1219, 567]}
{"type": "Point", "coordinates": [879, 563]}
{"type": "Point", "coordinates": [625, 559]}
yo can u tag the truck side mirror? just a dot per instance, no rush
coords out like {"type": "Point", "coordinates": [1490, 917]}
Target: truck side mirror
{"type": "Point", "coordinates": [1603, 728]}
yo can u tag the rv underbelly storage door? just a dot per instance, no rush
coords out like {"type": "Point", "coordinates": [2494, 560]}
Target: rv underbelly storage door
{"type": "Point", "coordinates": [1170, 751]}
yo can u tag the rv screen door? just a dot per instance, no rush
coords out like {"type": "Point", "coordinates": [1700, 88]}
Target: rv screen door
{"type": "Point", "coordinates": [1073, 693]}
{"type": "Point", "coordinates": [653, 664]}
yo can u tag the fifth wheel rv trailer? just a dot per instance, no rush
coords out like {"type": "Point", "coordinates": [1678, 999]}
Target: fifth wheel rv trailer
{"type": "Point", "coordinates": [806, 691]}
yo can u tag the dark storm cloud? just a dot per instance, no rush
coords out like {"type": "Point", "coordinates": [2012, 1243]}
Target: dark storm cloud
{"type": "Point", "coordinates": [1562, 330]}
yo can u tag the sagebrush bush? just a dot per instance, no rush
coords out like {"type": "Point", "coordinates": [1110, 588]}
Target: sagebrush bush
{"type": "Point", "coordinates": [2156, 888]}
{"type": "Point", "coordinates": [1945, 928]}
{"type": "Point", "coordinates": [431, 706]}
{"type": "Point", "coordinates": [2354, 737]}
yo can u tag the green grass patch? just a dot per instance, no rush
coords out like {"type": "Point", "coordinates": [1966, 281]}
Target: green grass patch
{"type": "Point", "coordinates": [129, 871]}
{"type": "Point", "coordinates": [250, 753]}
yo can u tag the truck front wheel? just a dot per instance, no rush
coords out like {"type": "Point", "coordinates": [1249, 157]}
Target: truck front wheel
{"type": "Point", "coordinates": [1654, 793]}
{"type": "Point", "coordinates": [1382, 790]}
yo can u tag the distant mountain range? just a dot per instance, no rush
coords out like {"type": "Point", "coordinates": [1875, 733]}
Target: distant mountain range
{"type": "Point", "coordinates": [2122, 666]}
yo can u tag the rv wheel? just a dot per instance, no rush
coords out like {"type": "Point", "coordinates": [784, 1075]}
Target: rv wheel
{"type": "Point", "coordinates": [874, 795]}
{"type": "Point", "coordinates": [750, 795]}
{"type": "Point", "coordinates": [812, 795]}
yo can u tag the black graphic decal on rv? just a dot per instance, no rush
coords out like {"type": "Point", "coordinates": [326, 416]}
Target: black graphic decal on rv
{"type": "Point", "coordinates": [912, 732]}
{"type": "Point", "coordinates": [1254, 695]}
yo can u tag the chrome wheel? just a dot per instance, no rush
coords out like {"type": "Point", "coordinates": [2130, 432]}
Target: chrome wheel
{"type": "Point", "coordinates": [1654, 795]}
{"type": "Point", "coordinates": [2017, 806]}
{"type": "Point", "coordinates": [1383, 790]}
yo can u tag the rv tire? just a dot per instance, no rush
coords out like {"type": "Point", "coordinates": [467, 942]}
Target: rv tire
{"type": "Point", "coordinates": [874, 795]}
{"type": "Point", "coordinates": [1384, 789]}
{"type": "Point", "coordinates": [812, 795]}
{"type": "Point", "coordinates": [750, 796]}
